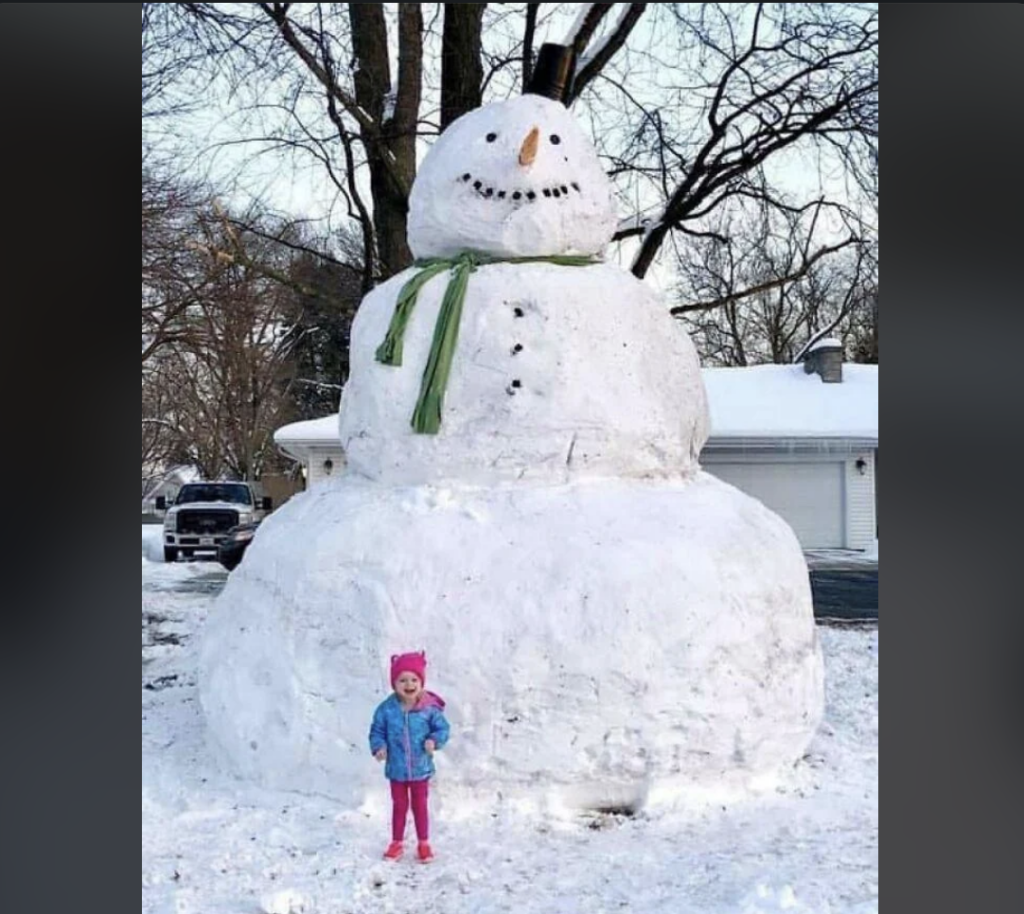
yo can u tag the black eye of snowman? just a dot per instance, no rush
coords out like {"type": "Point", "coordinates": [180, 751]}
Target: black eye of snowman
{"type": "Point", "coordinates": [555, 139]}
{"type": "Point", "coordinates": [491, 137]}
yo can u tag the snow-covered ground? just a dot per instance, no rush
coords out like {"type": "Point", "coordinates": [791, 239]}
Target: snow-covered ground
{"type": "Point", "coordinates": [211, 845]}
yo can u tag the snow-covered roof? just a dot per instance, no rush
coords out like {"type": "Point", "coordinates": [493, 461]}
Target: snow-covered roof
{"type": "Point", "coordinates": [828, 342]}
{"type": "Point", "coordinates": [310, 432]}
{"type": "Point", "coordinates": [764, 401]}
{"type": "Point", "coordinates": [783, 401]}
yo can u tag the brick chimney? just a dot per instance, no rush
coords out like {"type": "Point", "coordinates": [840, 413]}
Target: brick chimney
{"type": "Point", "coordinates": [826, 358]}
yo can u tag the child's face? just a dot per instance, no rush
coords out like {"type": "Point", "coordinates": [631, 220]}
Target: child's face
{"type": "Point", "coordinates": [408, 687]}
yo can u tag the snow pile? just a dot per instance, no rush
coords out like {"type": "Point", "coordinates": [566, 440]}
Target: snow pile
{"type": "Point", "coordinates": [473, 191]}
{"type": "Point", "coordinates": [285, 901]}
{"type": "Point", "coordinates": [766, 900]}
{"type": "Point", "coordinates": [599, 644]}
{"type": "Point", "coordinates": [152, 542]}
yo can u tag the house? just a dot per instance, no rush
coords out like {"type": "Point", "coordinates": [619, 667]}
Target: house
{"type": "Point", "coordinates": [801, 438]}
{"type": "Point", "coordinates": [315, 444]}
{"type": "Point", "coordinates": [804, 440]}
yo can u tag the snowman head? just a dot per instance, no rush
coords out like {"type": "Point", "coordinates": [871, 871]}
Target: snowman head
{"type": "Point", "coordinates": [512, 179]}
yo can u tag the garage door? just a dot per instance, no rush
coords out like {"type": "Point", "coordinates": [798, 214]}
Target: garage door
{"type": "Point", "coordinates": [808, 496]}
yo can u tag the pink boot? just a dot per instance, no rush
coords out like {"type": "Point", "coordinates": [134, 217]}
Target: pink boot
{"type": "Point", "coordinates": [394, 851]}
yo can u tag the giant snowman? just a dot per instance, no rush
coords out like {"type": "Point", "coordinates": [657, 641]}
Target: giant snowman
{"type": "Point", "coordinates": [523, 501]}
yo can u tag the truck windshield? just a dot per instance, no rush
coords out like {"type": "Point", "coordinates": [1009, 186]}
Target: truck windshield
{"type": "Point", "coordinates": [214, 491]}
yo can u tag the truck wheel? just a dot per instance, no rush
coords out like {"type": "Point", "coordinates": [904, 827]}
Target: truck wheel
{"type": "Point", "coordinates": [170, 554]}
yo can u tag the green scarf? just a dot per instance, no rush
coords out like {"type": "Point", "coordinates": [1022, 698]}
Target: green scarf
{"type": "Point", "coordinates": [426, 418]}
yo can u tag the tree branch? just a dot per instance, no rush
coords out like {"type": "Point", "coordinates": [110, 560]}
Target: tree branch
{"type": "Point", "coordinates": [461, 67]}
{"type": "Point", "coordinates": [278, 13]}
{"type": "Point", "coordinates": [766, 286]}
{"type": "Point", "coordinates": [586, 24]}
{"type": "Point", "coordinates": [531, 25]}
{"type": "Point", "coordinates": [607, 48]}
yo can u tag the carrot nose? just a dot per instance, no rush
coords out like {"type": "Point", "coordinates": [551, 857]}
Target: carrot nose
{"type": "Point", "coordinates": [528, 151]}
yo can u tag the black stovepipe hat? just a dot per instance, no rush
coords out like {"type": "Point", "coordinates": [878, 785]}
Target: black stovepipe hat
{"type": "Point", "coordinates": [552, 72]}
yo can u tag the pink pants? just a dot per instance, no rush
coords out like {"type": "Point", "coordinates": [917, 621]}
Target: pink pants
{"type": "Point", "coordinates": [401, 791]}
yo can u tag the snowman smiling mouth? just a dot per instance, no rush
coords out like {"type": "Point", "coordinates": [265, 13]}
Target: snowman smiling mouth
{"type": "Point", "coordinates": [519, 195]}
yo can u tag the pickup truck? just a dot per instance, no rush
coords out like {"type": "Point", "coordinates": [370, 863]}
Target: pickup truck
{"type": "Point", "coordinates": [204, 512]}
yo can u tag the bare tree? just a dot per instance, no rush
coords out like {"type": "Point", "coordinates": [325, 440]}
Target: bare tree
{"type": "Point", "coordinates": [462, 71]}
{"type": "Point", "coordinates": [753, 83]}
{"type": "Point", "coordinates": [245, 326]}
{"type": "Point", "coordinates": [529, 32]}
{"type": "Point", "coordinates": [592, 56]}
{"type": "Point", "coordinates": [160, 438]}
{"type": "Point", "coordinates": [168, 62]}
{"type": "Point", "coordinates": [323, 318]}
{"type": "Point", "coordinates": [171, 281]}
{"type": "Point", "coordinates": [862, 335]}
{"type": "Point", "coordinates": [767, 292]}
{"type": "Point", "coordinates": [216, 389]}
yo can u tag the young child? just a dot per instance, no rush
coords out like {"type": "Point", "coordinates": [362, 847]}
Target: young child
{"type": "Point", "coordinates": [408, 727]}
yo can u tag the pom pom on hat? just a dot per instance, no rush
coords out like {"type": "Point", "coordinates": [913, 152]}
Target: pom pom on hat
{"type": "Point", "coordinates": [409, 663]}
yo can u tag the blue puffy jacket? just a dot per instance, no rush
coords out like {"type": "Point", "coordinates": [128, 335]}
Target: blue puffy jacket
{"type": "Point", "coordinates": [403, 734]}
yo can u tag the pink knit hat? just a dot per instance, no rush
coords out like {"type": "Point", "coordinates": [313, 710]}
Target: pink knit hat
{"type": "Point", "coordinates": [409, 663]}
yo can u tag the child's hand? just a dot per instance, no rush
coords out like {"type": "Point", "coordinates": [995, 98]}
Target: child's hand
{"type": "Point", "coordinates": [430, 746]}
{"type": "Point", "coordinates": [381, 754]}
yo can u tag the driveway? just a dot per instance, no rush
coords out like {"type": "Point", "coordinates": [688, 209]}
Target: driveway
{"type": "Point", "coordinates": [849, 594]}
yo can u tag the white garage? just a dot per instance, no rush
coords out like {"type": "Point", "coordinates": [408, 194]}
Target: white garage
{"type": "Point", "coordinates": [809, 495]}
{"type": "Point", "coordinates": [806, 448]}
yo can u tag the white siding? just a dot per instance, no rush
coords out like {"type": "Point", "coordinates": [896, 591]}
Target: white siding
{"type": "Point", "coordinates": [315, 472]}
{"type": "Point", "coordinates": [860, 501]}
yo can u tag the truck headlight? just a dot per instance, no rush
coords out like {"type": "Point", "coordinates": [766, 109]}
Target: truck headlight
{"type": "Point", "coordinates": [245, 517]}
{"type": "Point", "coordinates": [171, 522]}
